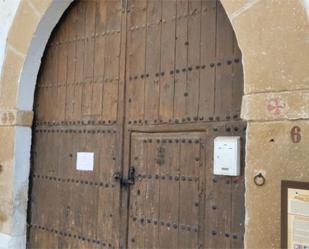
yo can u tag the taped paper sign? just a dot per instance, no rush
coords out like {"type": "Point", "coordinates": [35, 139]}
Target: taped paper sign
{"type": "Point", "coordinates": [84, 161]}
{"type": "Point", "coordinates": [298, 218]}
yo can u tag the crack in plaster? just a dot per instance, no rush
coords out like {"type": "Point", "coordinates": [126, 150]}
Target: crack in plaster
{"type": "Point", "coordinates": [35, 10]}
{"type": "Point", "coordinates": [244, 8]}
{"type": "Point", "coordinates": [16, 51]}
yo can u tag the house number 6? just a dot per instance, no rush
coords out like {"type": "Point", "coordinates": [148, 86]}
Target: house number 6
{"type": "Point", "coordinates": [296, 134]}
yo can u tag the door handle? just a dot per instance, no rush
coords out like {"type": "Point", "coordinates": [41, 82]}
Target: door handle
{"type": "Point", "coordinates": [126, 182]}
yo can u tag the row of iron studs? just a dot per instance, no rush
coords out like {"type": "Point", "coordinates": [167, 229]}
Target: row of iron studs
{"type": "Point", "coordinates": [174, 225]}
{"type": "Point", "coordinates": [71, 180]}
{"type": "Point", "coordinates": [74, 131]}
{"type": "Point", "coordinates": [71, 235]}
{"type": "Point", "coordinates": [165, 177]}
{"type": "Point", "coordinates": [228, 235]}
{"type": "Point", "coordinates": [113, 32]}
{"type": "Point", "coordinates": [177, 71]}
{"type": "Point", "coordinates": [77, 122]}
{"type": "Point", "coordinates": [142, 76]}
{"type": "Point", "coordinates": [140, 121]}
{"type": "Point", "coordinates": [184, 120]}
{"type": "Point", "coordinates": [183, 227]}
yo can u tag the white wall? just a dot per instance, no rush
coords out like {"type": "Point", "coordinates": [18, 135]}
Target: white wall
{"type": "Point", "coordinates": [8, 9]}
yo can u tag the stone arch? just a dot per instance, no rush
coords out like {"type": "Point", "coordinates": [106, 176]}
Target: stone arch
{"type": "Point", "coordinates": [25, 46]}
{"type": "Point", "coordinates": [27, 41]}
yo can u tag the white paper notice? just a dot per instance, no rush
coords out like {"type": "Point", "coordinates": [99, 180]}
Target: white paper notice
{"type": "Point", "coordinates": [84, 161]}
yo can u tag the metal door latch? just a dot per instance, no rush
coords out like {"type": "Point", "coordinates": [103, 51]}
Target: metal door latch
{"type": "Point", "coordinates": [126, 182]}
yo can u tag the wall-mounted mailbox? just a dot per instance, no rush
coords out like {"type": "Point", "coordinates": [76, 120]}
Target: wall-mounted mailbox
{"type": "Point", "coordinates": [227, 156]}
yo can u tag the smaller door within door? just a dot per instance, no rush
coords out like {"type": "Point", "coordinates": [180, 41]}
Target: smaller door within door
{"type": "Point", "coordinates": [166, 201]}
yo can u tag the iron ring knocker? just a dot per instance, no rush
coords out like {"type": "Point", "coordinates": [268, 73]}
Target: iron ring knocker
{"type": "Point", "coordinates": [259, 180]}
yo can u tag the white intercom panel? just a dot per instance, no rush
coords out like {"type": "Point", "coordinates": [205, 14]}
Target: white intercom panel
{"type": "Point", "coordinates": [227, 156]}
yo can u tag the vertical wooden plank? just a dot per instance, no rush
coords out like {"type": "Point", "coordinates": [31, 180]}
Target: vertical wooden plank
{"type": "Point", "coordinates": [62, 187]}
{"type": "Point", "coordinates": [47, 82]}
{"type": "Point", "coordinates": [163, 154]}
{"type": "Point", "coordinates": [194, 54]}
{"type": "Point", "coordinates": [50, 76]}
{"type": "Point", "coordinates": [201, 158]}
{"type": "Point", "coordinates": [208, 53]}
{"type": "Point", "coordinates": [195, 175]}
{"type": "Point", "coordinates": [181, 60]}
{"type": "Point", "coordinates": [48, 200]}
{"type": "Point", "coordinates": [68, 171]}
{"type": "Point", "coordinates": [167, 76]}
{"type": "Point", "coordinates": [224, 53]}
{"type": "Point", "coordinates": [238, 196]}
{"type": "Point", "coordinates": [80, 59]}
{"type": "Point", "coordinates": [62, 70]}
{"type": "Point", "coordinates": [40, 90]}
{"type": "Point", "coordinates": [116, 191]}
{"type": "Point", "coordinates": [169, 197]}
{"type": "Point", "coordinates": [97, 91]}
{"type": "Point", "coordinates": [87, 209]}
{"type": "Point", "coordinates": [44, 78]}
{"type": "Point", "coordinates": [153, 55]}
{"type": "Point", "coordinates": [107, 212]}
{"type": "Point", "coordinates": [71, 63]}
{"type": "Point", "coordinates": [102, 219]}
{"type": "Point", "coordinates": [137, 194]}
{"type": "Point", "coordinates": [89, 38]}
{"type": "Point", "coordinates": [111, 61]}
{"type": "Point", "coordinates": [238, 80]}
{"type": "Point", "coordinates": [223, 104]}
{"type": "Point", "coordinates": [113, 193]}
{"type": "Point", "coordinates": [151, 196]}
{"type": "Point", "coordinates": [173, 190]}
{"type": "Point", "coordinates": [188, 215]}
{"type": "Point", "coordinates": [58, 204]}
{"type": "Point", "coordinates": [136, 43]}
{"type": "Point", "coordinates": [53, 77]}
{"type": "Point", "coordinates": [77, 190]}
{"type": "Point", "coordinates": [38, 191]}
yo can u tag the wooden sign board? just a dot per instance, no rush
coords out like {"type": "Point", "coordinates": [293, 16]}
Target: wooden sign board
{"type": "Point", "coordinates": [295, 215]}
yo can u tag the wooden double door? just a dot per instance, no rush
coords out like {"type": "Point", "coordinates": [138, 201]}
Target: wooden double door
{"type": "Point", "coordinates": [144, 86]}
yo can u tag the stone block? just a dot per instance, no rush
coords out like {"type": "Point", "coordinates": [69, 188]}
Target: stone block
{"type": "Point", "coordinates": [289, 105]}
{"type": "Point", "coordinates": [23, 27]}
{"type": "Point", "coordinates": [7, 135]}
{"type": "Point", "coordinates": [9, 81]}
{"type": "Point", "coordinates": [271, 151]}
{"type": "Point", "coordinates": [273, 37]}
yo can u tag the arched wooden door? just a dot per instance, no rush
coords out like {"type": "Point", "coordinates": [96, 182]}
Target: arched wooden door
{"type": "Point", "coordinates": [129, 99]}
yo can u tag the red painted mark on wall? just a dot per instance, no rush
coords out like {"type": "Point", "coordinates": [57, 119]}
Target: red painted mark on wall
{"type": "Point", "coordinates": [275, 106]}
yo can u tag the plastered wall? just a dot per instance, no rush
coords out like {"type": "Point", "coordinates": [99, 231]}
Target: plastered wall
{"type": "Point", "coordinates": [274, 38]}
